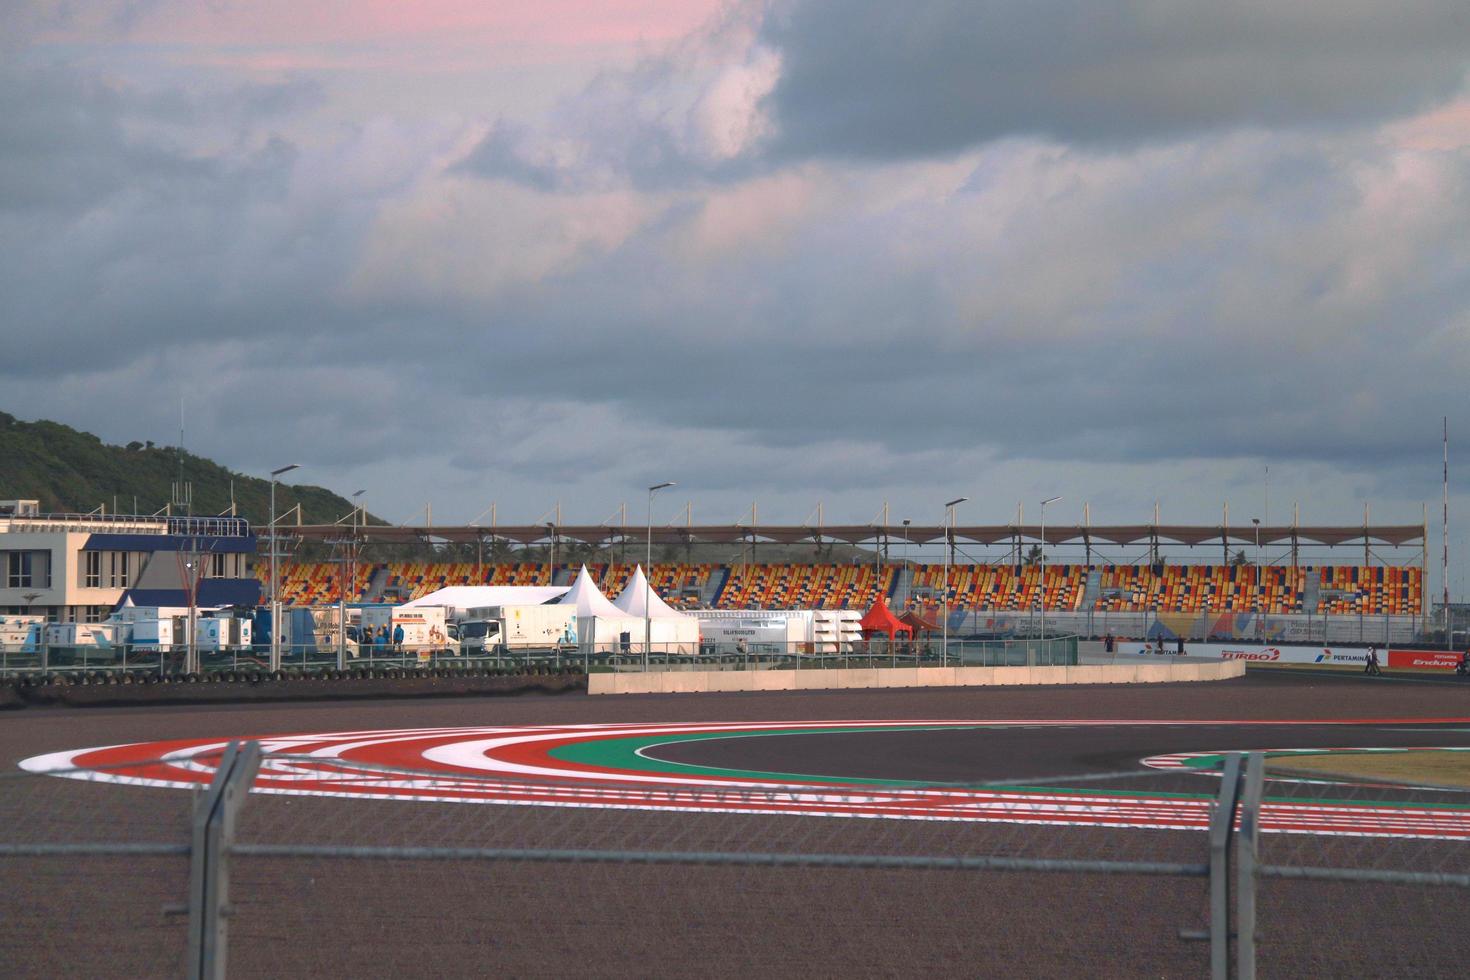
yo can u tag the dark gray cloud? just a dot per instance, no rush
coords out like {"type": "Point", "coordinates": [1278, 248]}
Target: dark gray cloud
{"type": "Point", "coordinates": [876, 79]}
{"type": "Point", "coordinates": [62, 143]}
{"type": "Point", "coordinates": [1081, 311]}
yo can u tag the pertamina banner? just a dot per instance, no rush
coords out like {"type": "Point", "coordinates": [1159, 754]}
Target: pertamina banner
{"type": "Point", "coordinates": [1439, 659]}
{"type": "Point", "coordinates": [1268, 654]}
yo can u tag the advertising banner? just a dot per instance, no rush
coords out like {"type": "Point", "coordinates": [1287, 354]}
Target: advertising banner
{"type": "Point", "coordinates": [1257, 653]}
{"type": "Point", "coordinates": [1441, 659]}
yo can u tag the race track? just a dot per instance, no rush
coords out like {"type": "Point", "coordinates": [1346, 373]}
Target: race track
{"type": "Point", "coordinates": [758, 792]}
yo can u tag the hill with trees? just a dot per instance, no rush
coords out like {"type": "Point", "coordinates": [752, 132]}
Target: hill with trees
{"type": "Point", "coordinates": [70, 471]}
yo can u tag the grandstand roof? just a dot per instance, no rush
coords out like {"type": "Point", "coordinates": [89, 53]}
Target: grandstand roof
{"type": "Point", "coordinates": [1118, 534]}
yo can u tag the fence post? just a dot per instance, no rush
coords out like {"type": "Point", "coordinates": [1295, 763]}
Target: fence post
{"type": "Point", "coordinates": [1246, 854]}
{"type": "Point", "coordinates": [209, 871]}
{"type": "Point", "coordinates": [1222, 823]}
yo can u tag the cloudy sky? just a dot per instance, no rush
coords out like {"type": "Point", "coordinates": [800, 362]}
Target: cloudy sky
{"type": "Point", "coordinates": [537, 250]}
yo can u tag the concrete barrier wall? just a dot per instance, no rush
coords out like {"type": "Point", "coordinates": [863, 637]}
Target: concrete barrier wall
{"type": "Point", "coordinates": [701, 681]}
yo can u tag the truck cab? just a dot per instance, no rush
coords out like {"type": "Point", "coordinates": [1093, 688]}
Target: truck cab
{"type": "Point", "coordinates": [480, 636]}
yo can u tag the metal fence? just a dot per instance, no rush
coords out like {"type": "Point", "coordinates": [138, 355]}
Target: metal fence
{"type": "Point", "coordinates": [136, 663]}
{"type": "Point", "coordinates": [681, 880]}
{"type": "Point", "coordinates": [1240, 626]}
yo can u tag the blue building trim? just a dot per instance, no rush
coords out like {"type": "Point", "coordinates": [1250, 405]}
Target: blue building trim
{"type": "Point", "coordinates": [212, 592]}
{"type": "Point", "coordinates": [207, 544]}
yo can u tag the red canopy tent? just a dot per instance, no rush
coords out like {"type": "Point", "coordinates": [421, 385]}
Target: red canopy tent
{"type": "Point", "coordinates": [918, 623]}
{"type": "Point", "coordinates": [880, 619]}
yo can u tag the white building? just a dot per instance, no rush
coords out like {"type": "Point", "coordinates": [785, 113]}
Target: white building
{"type": "Point", "coordinates": [79, 567]}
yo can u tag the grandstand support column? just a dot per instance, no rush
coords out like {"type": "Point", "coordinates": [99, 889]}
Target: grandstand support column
{"type": "Point", "coordinates": [1424, 576]}
{"type": "Point", "coordinates": [275, 595]}
{"type": "Point", "coordinates": [352, 549]}
{"type": "Point", "coordinates": [948, 560]}
{"type": "Point", "coordinates": [1260, 604]}
{"type": "Point", "coordinates": [1048, 500]}
{"type": "Point", "coordinates": [647, 573]}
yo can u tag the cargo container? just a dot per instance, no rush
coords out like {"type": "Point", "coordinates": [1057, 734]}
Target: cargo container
{"type": "Point", "coordinates": [514, 629]}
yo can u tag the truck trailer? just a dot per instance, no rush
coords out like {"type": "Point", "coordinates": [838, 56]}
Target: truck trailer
{"type": "Point", "coordinates": [492, 630]}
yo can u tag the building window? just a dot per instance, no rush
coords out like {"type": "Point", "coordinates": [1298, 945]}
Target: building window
{"type": "Point", "coordinates": [117, 569]}
{"type": "Point", "coordinates": [18, 570]}
{"type": "Point", "coordinates": [219, 566]}
{"type": "Point", "coordinates": [106, 570]}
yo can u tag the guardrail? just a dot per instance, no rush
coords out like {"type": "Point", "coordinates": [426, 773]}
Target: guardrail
{"type": "Point", "coordinates": [172, 660]}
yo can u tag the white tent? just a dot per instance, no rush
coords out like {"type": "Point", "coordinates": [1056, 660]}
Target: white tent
{"type": "Point", "coordinates": [588, 598]}
{"type": "Point", "coordinates": [669, 630]}
{"type": "Point", "coordinates": [603, 625]}
{"type": "Point", "coordinates": [461, 598]}
{"type": "Point", "coordinates": [638, 592]}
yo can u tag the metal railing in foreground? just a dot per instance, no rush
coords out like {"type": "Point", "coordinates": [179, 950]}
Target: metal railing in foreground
{"type": "Point", "coordinates": [140, 662]}
{"type": "Point", "coordinates": [686, 877]}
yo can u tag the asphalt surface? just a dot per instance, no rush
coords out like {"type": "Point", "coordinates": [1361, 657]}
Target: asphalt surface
{"type": "Point", "coordinates": [336, 917]}
{"type": "Point", "coordinates": [1003, 753]}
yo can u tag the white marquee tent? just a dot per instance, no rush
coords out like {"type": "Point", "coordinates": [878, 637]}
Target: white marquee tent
{"type": "Point", "coordinates": [459, 599]}
{"type": "Point", "coordinates": [599, 623]}
{"type": "Point", "coordinates": [670, 630]}
{"type": "Point", "coordinates": [603, 624]}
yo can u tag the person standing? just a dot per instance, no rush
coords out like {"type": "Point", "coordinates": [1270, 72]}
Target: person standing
{"type": "Point", "coordinates": [1371, 668]}
{"type": "Point", "coordinates": [398, 638]}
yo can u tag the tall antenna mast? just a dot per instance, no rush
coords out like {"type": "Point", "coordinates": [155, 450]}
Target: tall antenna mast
{"type": "Point", "coordinates": [1444, 566]}
{"type": "Point", "coordinates": [181, 446]}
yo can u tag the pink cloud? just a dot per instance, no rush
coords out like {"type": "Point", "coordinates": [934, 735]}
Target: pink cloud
{"type": "Point", "coordinates": [572, 23]}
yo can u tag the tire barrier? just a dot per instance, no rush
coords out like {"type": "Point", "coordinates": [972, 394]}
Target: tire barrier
{"type": "Point", "coordinates": [112, 689]}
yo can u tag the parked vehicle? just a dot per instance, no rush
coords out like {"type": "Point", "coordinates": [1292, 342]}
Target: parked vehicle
{"type": "Point", "coordinates": [518, 629]}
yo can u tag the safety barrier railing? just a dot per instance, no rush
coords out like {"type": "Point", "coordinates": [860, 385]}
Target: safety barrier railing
{"type": "Point", "coordinates": [177, 659]}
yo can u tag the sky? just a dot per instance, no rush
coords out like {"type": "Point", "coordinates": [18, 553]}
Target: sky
{"type": "Point", "coordinates": [785, 252]}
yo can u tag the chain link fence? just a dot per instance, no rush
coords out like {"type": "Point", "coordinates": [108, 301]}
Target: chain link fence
{"type": "Point", "coordinates": [1157, 873]}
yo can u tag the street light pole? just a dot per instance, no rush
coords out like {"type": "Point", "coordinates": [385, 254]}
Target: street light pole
{"type": "Point", "coordinates": [948, 550]}
{"type": "Point", "coordinates": [1048, 500]}
{"type": "Point", "coordinates": [647, 571]}
{"type": "Point", "coordinates": [275, 594]}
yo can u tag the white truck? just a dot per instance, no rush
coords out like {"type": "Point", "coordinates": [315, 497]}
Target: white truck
{"type": "Point", "coordinates": [424, 628]}
{"type": "Point", "coordinates": [164, 628]}
{"type": "Point", "coordinates": [22, 634]}
{"type": "Point", "coordinates": [222, 633]}
{"type": "Point", "coordinates": [100, 635]}
{"type": "Point", "coordinates": [488, 630]}
{"type": "Point", "coordinates": [780, 630]}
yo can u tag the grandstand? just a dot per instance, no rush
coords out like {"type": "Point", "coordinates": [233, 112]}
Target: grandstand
{"type": "Point", "coordinates": [1336, 590]}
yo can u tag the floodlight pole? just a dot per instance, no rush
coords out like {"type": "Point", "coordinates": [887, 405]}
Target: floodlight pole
{"type": "Point", "coordinates": [275, 596]}
{"type": "Point", "coordinates": [948, 550]}
{"type": "Point", "coordinates": [647, 571]}
{"type": "Point", "coordinates": [1048, 500]}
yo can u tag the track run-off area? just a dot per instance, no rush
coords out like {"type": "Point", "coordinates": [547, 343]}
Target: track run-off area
{"type": "Point", "coordinates": [797, 768]}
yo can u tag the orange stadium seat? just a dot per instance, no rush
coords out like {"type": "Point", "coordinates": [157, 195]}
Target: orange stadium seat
{"type": "Point", "coordinates": [1343, 590]}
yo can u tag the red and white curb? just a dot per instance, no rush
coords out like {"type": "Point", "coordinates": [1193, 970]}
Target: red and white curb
{"type": "Point", "coordinates": [516, 766]}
